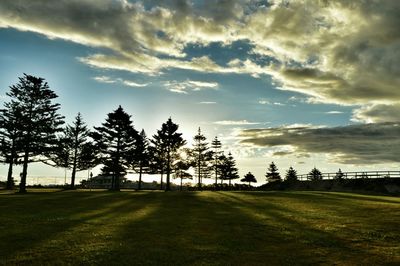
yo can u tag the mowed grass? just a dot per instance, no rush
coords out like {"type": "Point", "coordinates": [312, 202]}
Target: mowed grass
{"type": "Point", "coordinates": [199, 228]}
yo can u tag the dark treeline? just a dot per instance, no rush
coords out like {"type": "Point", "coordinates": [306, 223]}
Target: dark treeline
{"type": "Point", "coordinates": [32, 130]}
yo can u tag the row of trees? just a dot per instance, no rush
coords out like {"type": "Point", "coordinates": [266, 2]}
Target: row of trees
{"type": "Point", "coordinates": [273, 175]}
{"type": "Point", "coordinates": [32, 130]}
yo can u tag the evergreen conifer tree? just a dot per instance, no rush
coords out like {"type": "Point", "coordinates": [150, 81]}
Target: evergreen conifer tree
{"type": "Point", "coordinates": [315, 174]}
{"type": "Point", "coordinates": [272, 174]}
{"type": "Point", "coordinates": [216, 146]}
{"type": "Point", "coordinates": [181, 170]}
{"type": "Point", "coordinates": [38, 121]}
{"type": "Point", "coordinates": [228, 168]}
{"type": "Point", "coordinates": [339, 174]}
{"type": "Point", "coordinates": [157, 157]}
{"type": "Point", "coordinates": [75, 151]}
{"type": "Point", "coordinates": [202, 157]}
{"type": "Point", "coordinates": [170, 141]}
{"type": "Point", "coordinates": [116, 140]}
{"type": "Point", "coordinates": [9, 121]}
{"type": "Point", "coordinates": [291, 174]}
{"type": "Point", "coordinates": [142, 157]}
{"type": "Point", "coordinates": [250, 178]}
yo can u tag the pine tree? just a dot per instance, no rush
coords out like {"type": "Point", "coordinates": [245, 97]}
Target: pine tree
{"type": "Point", "coordinates": [228, 168]}
{"type": "Point", "coordinates": [250, 178]}
{"type": "Point", "coordinates": [315, 174]}
{"type": "Point", "coordinates": [272, 174]}
{"type": "Point", "coordinates": [170, 141]}
{"type": "Point", "coordinates": [201, 157]}
{"type": "Point", "coordinates": [74, 149]}
{"type": "Point", "coordinates": [116, 140]}
{"type": "Point", "coordinates": [339, 174]}
{"type": "Point", "coordinates": [291, 174]}
{"type": "Point", "coordinates": [181, 168]}
{"type": "Point", "coordinates": [38, 123]}
{"type": "Point", "coordinates": [142, 157]}
{"type": "Point", "coordinates": [157, 157]}
{"type": "Point", "coordinates": [216, 146]}
{"type": "Point", "coordinates": [9, 121]}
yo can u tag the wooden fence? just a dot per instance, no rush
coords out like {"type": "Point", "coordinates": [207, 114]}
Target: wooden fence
{"type": "Point", "coordinates": [354, 175]}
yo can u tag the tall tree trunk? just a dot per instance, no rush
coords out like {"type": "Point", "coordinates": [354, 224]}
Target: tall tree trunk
{"type": "Point", "coordinates": [113, 181]}
{"type": "Point", "coordinates": [181, 184]}
{"type": "Point", "coordinates": [10, 183]}
{"type": "Point", "coordinates": [168, 187]}
{"type": "Point", "coordinates": [9, 175]}
{"type": "Point", "coordinates": [161, 181]}
{"type": "Point", "coordinates": [116, 164]}
{"type": "Point", "coordinates": [199, 170]}
{"type": "Point", "coordinates": [216, 172]}
{"type": "Point", "coordinates": [22, 184]}
{"type": "Point", "coordinates": [74, 167]}
{"type": "Point", "coordinates": [117, 185]}
{"type": "Point", "coordinates": [140, 177]}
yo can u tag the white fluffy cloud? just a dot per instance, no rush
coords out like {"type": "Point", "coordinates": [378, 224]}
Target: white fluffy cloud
{"type": "Point", "coordinates": [189, 85]}
{"type": "Point", "coordinates": [235, 123]}
{"type": "Point", "coordinates": [129, 83]}
{"type": "Point", "coordinates": [343, 52]}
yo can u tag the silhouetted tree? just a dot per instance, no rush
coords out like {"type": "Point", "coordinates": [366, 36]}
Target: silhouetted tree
{"type": "Point", "coordinates": [10, 118]}
{"type": "Point", "coordinates": [116, 140]}
{"type": "Point", "coordinates": [142, 156]}
{"type": "Point", "coordinates": [201, 157]}
{"type": "Point", "coordinates": [291, 174]}
{"type": "Point", "coordinates": [73, 149]}
{"type": "Point", "coordinates": [250, 178]}
{"type": "Point", "coordinates": [60, 156]}
{"type": "Point", "coordinates": [216, 146]}
{"type": "Point", "coordinates": [339, 174]}
{"type": "Point", "coordinates": [181, 168]}
{"type": "Point", "coordinates": [38, 123]}
{"type": "Point", "coordinates": [272, 174]}
{"type": "Point", "coordinates": [228, 168]}
{"type": "Point", "coordinates": [315, 174]}
{"type": "Point", "coordinates": [157, 153]}
{"type": "Point", "coordinates": [171, 141]}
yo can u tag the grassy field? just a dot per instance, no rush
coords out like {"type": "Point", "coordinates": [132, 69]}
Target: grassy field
{"type": "Point", "coordinates": [200, 228]}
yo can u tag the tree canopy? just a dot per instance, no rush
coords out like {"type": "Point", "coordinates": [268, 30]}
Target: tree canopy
{"type": "Point", "coordinates": [250, 178]}
{"type": "Point", "coordinates": [169, 141]}
{"type": "Point", "coordinates": [116, 140]}
{"type": "Point", "coordinates": [202, 157]}
{"type": "Point", "coordinates": [272, 174]}
{"type": "Point", "coordinates": [315, 174]}
{"type": "Point", "coordinates": [228, 168]}
{"type": "Point", "coordinates": [38, 121]}
{"type": "Point", "coordinates": [291, 174]}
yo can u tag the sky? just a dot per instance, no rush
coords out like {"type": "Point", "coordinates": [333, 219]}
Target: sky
{"type": "Point", "coordinates": [301, 83]}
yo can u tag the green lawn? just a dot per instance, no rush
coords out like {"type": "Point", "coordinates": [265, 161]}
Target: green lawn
{"type": "Point", "coordinates": [201, 228]}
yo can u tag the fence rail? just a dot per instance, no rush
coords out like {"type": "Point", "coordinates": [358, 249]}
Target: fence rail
{"type": "Point", "coordinates": [354, 175]}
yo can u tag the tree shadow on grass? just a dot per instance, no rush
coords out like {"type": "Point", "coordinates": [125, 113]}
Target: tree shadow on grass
{"type": "Point", "coordinates": [319, 231]}
{"type": "Point", "coordinates": [219, 229]}
{"type": "Point", "coordinates": [188, 228]}
{"type": "Point", "coordinates": [361, 197]}
{"type": "Point", "coordinates": [40, 227]}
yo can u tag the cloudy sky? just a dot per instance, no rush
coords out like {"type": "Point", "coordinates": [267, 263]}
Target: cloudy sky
{"type": "Point", "coordinates": [301, 83]}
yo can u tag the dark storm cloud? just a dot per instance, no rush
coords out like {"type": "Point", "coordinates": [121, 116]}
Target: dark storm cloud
{"type": "Point", "coordinates": [355, 144]}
